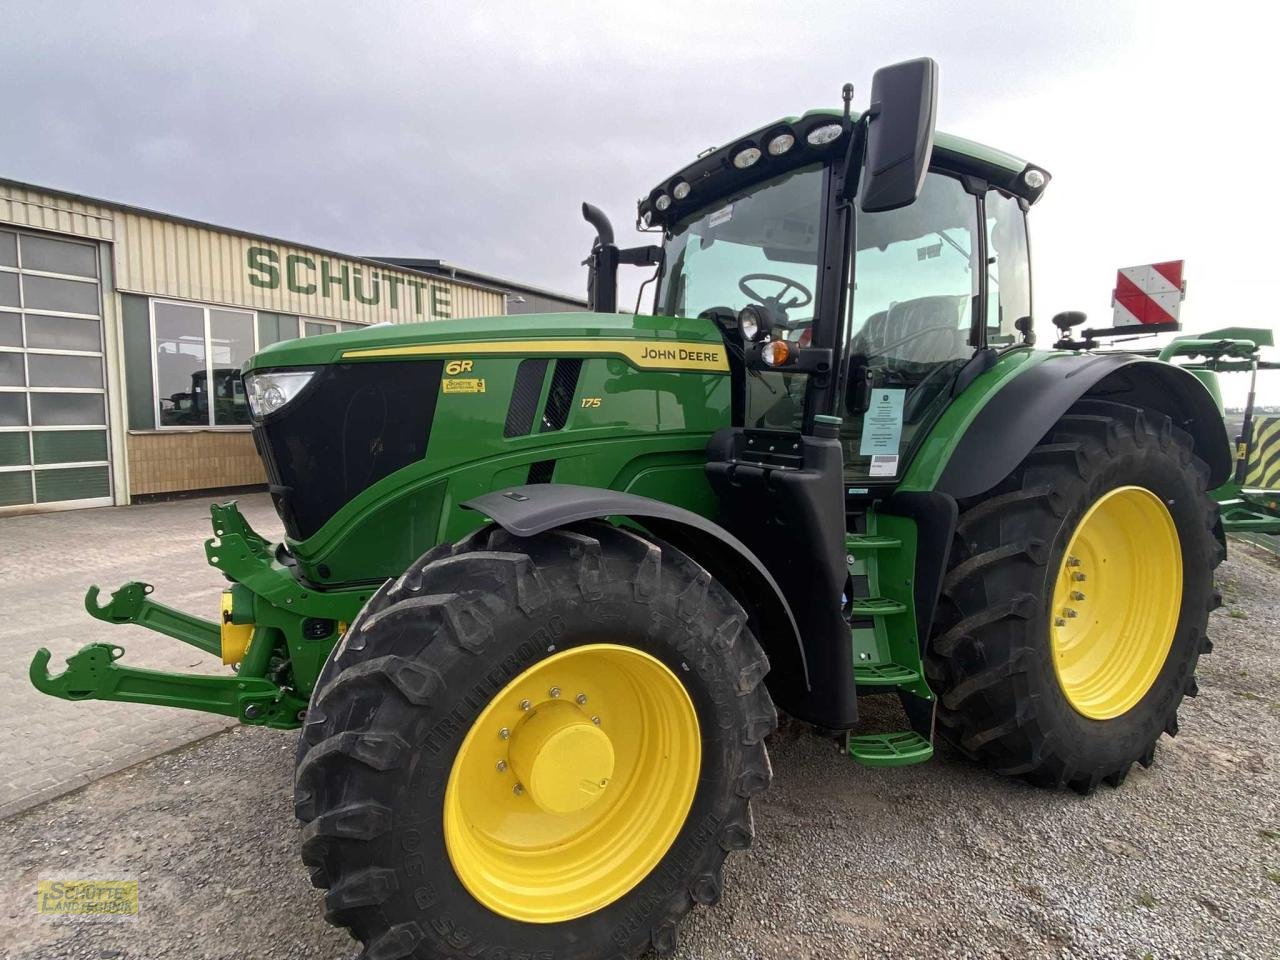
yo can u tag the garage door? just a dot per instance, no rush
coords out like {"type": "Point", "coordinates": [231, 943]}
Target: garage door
{"type": "Point", "coordinates": [53, 410]}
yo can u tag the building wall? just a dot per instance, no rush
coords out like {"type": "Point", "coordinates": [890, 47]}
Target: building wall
{"type": "Point", "coordinates": [189, 262]}
{"type": "Point", "coordinates": [170, 461]}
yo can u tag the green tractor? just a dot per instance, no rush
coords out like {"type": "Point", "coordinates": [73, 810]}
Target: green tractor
{"type": "Point", "coordinates": [545, 578]}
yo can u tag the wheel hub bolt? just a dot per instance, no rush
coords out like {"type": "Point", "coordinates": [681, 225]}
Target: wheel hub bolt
{"type": "Point", "coordinates": [581, 698]}
{"type": "Point", "coordinates": [1079, 577]}
{"type": "Point", "coordinates": [1073, 561]}
{"type": "Point", "coordinates": [502, 766]}
{"type": "Point", "coordinates": [555, 692]}
{"type": "Point", "coordinates": [1059, 622]}
{"type": "Point", "coordinates": [596, 721]}
{"type": "Point", "coordinates": [1077, 595]}
{"type": "Point", "coordinates": [525, 705]}
{"type": "Point", "coordinates": [1071, 614]}
{"type": "Point", "coordinates": [517, 789]}
{"type": "Point", "coordinates": [504, 734]}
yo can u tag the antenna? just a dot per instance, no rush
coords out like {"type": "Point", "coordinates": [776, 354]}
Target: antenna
{"type": "Point", "coordinates": [846, 94]}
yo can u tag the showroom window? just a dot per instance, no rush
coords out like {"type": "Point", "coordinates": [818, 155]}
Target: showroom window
{"type": "Point", "coordinates": [198, 352]}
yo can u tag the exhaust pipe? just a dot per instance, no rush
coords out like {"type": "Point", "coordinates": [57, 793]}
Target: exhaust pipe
{"type": "Point", "coordinates": [602, 263]}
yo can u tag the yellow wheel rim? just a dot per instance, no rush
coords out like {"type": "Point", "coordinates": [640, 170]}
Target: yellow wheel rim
{"type": "Point", "coordinates": [572, 784]}
{"type": "Point", "coordinates": [1116, 602]}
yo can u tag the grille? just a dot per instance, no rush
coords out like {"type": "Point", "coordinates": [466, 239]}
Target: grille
{"type": "Point", "coordinates": [354, 424]}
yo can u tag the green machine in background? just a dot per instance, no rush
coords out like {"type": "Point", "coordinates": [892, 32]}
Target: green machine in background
{"type": "Point", "coordinates": [545, 578]}
{"type": "Point", "coordinates": [1250, 500]}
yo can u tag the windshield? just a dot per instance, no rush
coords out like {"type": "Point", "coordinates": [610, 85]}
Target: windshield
{"type": "Point", "coordinates": [760, 244]}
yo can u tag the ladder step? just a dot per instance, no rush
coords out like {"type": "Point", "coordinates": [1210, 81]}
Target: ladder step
{"type": "Point", "coordinates": [889, 749]}
{"type": "Point", "coordinates": [883, 674]}
{"type": "Point", "coordinates": [876, 607]}
{"type": "Point", "coordinates": [856, 542]}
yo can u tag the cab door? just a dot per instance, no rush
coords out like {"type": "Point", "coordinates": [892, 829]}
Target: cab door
{"type": "Point", "coordinates": [914, 319]}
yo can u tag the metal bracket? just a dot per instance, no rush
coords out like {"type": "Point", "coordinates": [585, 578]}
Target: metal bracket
{"type": "Point", "coordinates": [92, 674]}
{"type": "Point", "coordinates": [246, 558]}
{"type": "Point", "coordinates": [129, 604]}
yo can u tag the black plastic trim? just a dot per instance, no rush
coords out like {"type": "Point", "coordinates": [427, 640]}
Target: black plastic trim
{"type": "Point", "coordinates": [1019, 416]}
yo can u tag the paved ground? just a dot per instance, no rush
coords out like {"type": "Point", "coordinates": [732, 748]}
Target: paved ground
{"type": "Point", "coordinates": [936, 860]}
{"type": "Point", "coordinates": [46, 562]}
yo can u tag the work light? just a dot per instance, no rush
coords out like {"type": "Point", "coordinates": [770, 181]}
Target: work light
{"type": "Point", "coordinates": [662, 202]}
{"type": "Point", "coordinates": [781, 144]}
{"type": "Point", "coordinates": [824, 134]}
{"type": "Point", "coordinates": [745, 158]}
{"type": "Point", "coordinates": [680, 190]}
{"type": "Point", "coordinates": [268, 391]}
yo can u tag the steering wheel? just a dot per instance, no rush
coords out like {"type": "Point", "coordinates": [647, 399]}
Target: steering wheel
{"type": "Point", "coordinates": [805, 298]}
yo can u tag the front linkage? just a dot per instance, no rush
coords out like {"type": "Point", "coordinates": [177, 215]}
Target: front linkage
{"type": "Point", "coordinates": [275, 631]}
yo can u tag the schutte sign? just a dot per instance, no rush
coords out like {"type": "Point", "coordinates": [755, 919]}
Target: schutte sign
{"type": "Point", "coordinates": [315, 276]}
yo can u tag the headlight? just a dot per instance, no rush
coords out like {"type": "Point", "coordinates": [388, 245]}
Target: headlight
{"type": "Point", "coordinates": [753, 322]}
{"type": "Point", "coordinates": [271, 390]}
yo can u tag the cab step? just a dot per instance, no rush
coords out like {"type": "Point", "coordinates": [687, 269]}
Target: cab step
{"type": "Point", "coordinates": [856, 543]}
{"type": "Point", "coordinates": [898, 749]}
{"type": "Point", "coordinates": [883, 674]}
{"type": "Point", "coordinates": [876, 607]}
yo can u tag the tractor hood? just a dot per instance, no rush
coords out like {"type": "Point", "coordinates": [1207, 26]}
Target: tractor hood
{"type": "Point", "coordinates": [661, 343]}
{"type": "Point", "coordinates": [349, 425]}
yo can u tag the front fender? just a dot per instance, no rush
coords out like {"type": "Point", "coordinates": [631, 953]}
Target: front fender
{"type": "Point", "coordinates": [1019, 415]}
{"type": "Point", "coordinates": [528, 510]}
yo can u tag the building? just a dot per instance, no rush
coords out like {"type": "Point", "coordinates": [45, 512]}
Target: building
{"type": "Point", "coordinates": [122, 332]}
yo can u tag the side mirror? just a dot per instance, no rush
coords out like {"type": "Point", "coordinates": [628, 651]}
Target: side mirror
{"type": "Point", "coordinates": [904, 104]}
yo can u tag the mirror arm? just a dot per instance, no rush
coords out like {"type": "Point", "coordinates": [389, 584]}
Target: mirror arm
{"type": "Point", "coordinates": [854, 157]}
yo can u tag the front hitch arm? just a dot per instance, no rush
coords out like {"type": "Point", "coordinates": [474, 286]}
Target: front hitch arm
{"type": "Point", "coordinates": [129, 604]}
{"type": "Point", "coordinates": [93, 674]}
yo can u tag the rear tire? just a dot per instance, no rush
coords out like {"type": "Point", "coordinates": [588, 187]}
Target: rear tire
{"type": "Point", "coordinates": [991, 659]}
{"type": "Point", "coordinates": [395, 707]}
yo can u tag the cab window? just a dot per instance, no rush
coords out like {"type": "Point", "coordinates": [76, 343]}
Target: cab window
{"type": "Point", "coordinates": [1008, 270]}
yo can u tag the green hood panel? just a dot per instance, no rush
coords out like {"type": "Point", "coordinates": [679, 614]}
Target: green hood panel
{"type": "Point", "coordinates": [382, 342]}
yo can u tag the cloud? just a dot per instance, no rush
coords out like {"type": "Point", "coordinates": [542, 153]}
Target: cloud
{"type": "Point", "coordinates": [472, 132]}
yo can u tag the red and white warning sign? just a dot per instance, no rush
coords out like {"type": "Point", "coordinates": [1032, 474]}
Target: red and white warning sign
{"type": "Point", "coordinates": [1150, 294]}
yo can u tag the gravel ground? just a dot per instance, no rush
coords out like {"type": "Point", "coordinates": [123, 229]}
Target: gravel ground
{"type": "Point", "coordinates": [936, 860]}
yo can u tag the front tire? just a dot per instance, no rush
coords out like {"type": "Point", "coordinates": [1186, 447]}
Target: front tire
{"type": "Point", "coordinates": [1077, 600]}
{"type": "Point", "coordinates": [540, 747]}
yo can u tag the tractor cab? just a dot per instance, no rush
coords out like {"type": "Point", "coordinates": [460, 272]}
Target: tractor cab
{"type": "Point", "coordinates": [858, 267]}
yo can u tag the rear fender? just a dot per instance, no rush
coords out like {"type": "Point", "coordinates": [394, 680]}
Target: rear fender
{"type": "Point", "coordinates": [1019, 416]}
{"type": "Point", "coordinates": [526, 511]}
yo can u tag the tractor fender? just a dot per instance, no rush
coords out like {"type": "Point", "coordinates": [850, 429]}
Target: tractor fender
{"type": "Point", "coordinates": [1019, 415]}
{"type": "Point", "coordinates": [528, 510]}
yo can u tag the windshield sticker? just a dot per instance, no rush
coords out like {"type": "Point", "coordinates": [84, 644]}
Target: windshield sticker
{"type": "Point", "coordinates": [723, 215]}
{"type": "Point", "coordinates": [882, 466]}
{"type": "Point", "coordinates": [882, 424]}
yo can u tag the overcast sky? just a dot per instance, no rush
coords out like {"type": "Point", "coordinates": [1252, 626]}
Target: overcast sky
{"type": "Point", "coordinates": [471, 132]}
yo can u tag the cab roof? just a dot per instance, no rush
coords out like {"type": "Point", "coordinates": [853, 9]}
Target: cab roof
{"type": "Point", "coordinates": [713, 173]}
